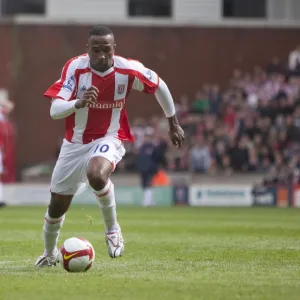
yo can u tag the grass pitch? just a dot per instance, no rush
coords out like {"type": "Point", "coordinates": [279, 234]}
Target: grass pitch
{"type": "Point", "coordinates": [170, 253]}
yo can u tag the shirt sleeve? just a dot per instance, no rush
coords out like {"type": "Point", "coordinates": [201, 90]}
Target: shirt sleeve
{"type": "Point", "coordinates": [65, 87]}
{"type": "Point", "coordinates": [61, 109]}
{"type": "Point", "coordinates": [165, 99]}
{"type": "Point", "coordinates": [145, 80]}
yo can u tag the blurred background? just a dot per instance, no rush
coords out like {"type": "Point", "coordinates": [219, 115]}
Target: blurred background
{"type": "Point", "coordinates": [233, 67]}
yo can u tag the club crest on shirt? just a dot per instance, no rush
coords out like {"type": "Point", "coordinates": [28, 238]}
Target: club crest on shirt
{"type": "Point", "coordinates": [121, 89]}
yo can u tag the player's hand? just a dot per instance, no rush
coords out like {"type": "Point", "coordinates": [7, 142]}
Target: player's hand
{"type": "Point", "coordinates": [176, 133]}
{"type": "Point", "coordinates": [89, 97]}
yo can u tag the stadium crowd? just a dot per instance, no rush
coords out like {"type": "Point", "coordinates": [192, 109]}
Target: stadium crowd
{"type": "Point", "coordinates": [253, 125]}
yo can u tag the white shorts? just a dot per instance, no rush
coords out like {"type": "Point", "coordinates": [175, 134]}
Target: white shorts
{"type": "Point", "coordinates": [70, 169]}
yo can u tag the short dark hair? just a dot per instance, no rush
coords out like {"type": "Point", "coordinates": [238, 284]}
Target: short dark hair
{"type": "Point", "coordinates": [100, 30]}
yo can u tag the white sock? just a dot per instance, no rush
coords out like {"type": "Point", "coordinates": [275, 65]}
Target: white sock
{"type": "Point", "coordinates": [148, 197]}
{"type": "Point", "coordinates": [51, 233]}
{"type": "Point", "coordinates": [1, 191]}
{"type": "Point", "coordinates": [107, 204]}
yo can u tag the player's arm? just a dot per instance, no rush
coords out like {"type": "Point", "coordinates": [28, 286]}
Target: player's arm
{"type": "Point", "coordinates": [165, 100]}
{"type": "Point", "coordinates": [61, 108]}
{"type": "Point", "coordinates": [147, 81]}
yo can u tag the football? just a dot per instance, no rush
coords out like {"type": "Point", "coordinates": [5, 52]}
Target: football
{"type": "Point", "coordinates": [76, 255]}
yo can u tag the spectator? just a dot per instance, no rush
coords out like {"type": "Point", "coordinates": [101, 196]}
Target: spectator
{"type": "Point", "coordinates": [250, 128]}
{"type": "Point", "coordinates": [138, 131]}
{"type": "Point", "coordinates": [265, 158]}
{"type": "Point", "coordinates": [280, 172]}
{"type": "Point", "coordinates": [230, 117]}
{"type": "Point", "coordinates": [226, 165]}
{"type": "Point", "coordinates": [284, 106]}
{"type": "Point", "coordinates": [215, 100]}
{"type": "Point", "coordinates": [294, 127]}
{"type": "Point", "coordinates": [220, 153]}
{"type": "Point", "coordinates": [182, 107]}
{"type": "Point", "coordinates": [147, 167]}
{"type": "Point", "coordinates": [239, 155]}
{"type": "Point", "coordinates": [267, 109]}
{"type": "Point", "coordinates": [280, 123]}
{"type": "Point", "coordinates": [236, 80]}
{"type": "Point", "coordinates": [275, 66]}
{"type": "Point", "coordinates": [200, 158]}
{"type": "Point", "coordinates": [294, 61]}
{"type": "Point", "coordinates": [253, 161]}
{"type": "Point", "coordinates": [201, 103]}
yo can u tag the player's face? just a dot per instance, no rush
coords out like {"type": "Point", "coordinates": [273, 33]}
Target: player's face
{"type": "Point", "coordinates": [101, 50]}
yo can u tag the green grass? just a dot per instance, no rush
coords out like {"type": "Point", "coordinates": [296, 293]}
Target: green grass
{"type": "Point", "coordinates": [170, 253]}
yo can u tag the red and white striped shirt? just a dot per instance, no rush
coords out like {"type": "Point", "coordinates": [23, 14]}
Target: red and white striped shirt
{"type": "Point", "coordinates": [108, 116]}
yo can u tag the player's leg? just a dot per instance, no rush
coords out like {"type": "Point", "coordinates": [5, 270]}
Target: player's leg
{"type": "Point", "coordinates": [64, 183]}
{"type": "Point", "coordinates": [53, 221]}
{"type": "Point", "coordinates": [98, 173]}
{"type": "Point", "coordinates": [103, 157]}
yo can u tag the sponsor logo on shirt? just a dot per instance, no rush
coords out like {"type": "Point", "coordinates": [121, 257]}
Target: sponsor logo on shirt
{"type": "Point", "coordinates": [110, 105]}
{"type": "Point", "coordinates": [69, 84]}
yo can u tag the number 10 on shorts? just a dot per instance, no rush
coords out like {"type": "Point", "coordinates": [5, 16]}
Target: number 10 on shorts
{"type": "Point", "coordinates": [104, 148]}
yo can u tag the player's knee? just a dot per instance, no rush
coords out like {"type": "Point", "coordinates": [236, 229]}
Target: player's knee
{"type": "Point", "coordinates": [97, 178]}
{"type": "Point", "coordinates": [98, 172]}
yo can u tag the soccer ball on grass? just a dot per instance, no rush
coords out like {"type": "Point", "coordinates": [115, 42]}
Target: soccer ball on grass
{"type": "Point", "coordinates": [76, 255]}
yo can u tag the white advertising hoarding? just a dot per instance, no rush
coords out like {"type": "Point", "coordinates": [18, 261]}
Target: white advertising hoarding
{"type": "Point", "coordinates": [220, 195]}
